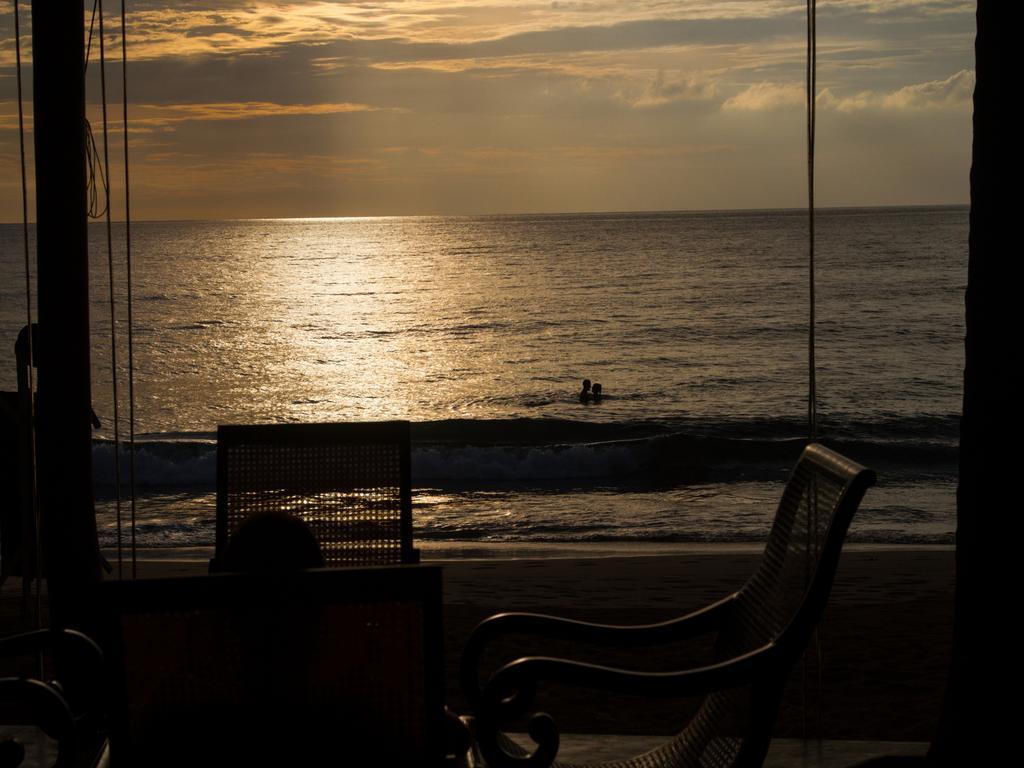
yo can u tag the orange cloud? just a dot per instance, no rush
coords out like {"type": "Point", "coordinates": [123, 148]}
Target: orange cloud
{"type": "Point", "coordinates": [158, 115]}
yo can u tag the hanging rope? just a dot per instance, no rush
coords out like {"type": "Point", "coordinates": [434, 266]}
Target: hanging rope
{"type": "Point", "coordinates": [113, 302]}
{"type": "Point", "coordinates": [812, 393]}
{"type": "Point", "coordinates": [99, 205]}
{"type": "Point", "coordinates": [97, 179]}
{"type": "Point", "coordinates": [24, 198]}
{"type": "Point", "coordinates": [31, 431]}
{"type": "Point", "coordinates": [128, 269]}
{"type": "Point", "coordinates": [88, 40]}
{"type": "Point", "coordinates": [812, 85]}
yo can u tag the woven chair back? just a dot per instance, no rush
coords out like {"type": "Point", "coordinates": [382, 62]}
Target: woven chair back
{"type": "Point", "coordinates": [350, 483]}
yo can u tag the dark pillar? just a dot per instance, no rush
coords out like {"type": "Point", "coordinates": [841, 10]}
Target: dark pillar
{"type": "Point", "coordinates": [979, 726]}
{"type": "Point", "coordinates": [64, 435]}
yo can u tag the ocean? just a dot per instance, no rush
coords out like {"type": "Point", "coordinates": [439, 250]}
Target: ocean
{"type": "Point", "coordinates": [479, 330]}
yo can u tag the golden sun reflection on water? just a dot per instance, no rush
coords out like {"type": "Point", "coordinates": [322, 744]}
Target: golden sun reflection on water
{"type": "Point", "coordinates": [679, 316]}
{"type": "Point", "coordinates": [393, 337]}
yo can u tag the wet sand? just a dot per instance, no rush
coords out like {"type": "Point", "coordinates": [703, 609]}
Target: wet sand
{"type": "Point", "coordinates": [885, 638]}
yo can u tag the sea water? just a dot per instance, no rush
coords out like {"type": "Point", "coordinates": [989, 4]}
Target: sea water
{"type": "Point", "coordinates": [479, 330]}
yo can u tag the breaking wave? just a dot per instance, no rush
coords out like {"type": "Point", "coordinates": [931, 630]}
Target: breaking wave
{"type": "Point", "coordinates": [465, 452]}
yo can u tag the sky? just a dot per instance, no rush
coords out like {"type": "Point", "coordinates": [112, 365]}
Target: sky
{"type": "Point", "coordinates": [308, 109]}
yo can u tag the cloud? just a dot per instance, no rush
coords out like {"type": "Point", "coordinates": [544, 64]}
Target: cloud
{"type": "Point", "coordinates": [152, 115]}
{"type": "Point", "coordinates": [855, 103]}
{"type": "Point", "coordinates": [923, 7]}
{"type": "Point", "coordinates": [661, 91]}
{"type": "Point", "coordinates": [762, 97]}
{"type": "Point", "coordinates": [437, 29]}
{"type": "Point", "coordinates": [161, 28]}
{"type": "Point", "coordinates": [953, 92]}
{"type": "Point", "coordinates": [149, 117]}
{"type": "Point", "coordinates": [231, 27]}
{"type": "Point", "coordinates": [565, 98]}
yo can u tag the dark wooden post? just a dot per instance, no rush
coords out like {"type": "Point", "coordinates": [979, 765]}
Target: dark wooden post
{"type": "Point", "coordinates": [977, 727]}
{"type": "Point", "coordinates": [64, 433]}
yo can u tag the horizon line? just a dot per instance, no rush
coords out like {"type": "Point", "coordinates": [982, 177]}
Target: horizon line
{"type": "Point", "coordinates": [637, 212]}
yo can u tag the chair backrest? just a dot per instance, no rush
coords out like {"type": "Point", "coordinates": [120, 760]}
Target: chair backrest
{"type": "Point", "coordinates": [341, 666]}
{"type": "Point", "coordinates": [349, 482]}
{"type": "Point", "coordinates": [785, 597]}
{"type": "Point", "coordinates": [781, 603]}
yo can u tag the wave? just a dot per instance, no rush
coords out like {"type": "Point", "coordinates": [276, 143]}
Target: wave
{"type": "Point", "coordinates": [539, 451]}
{"type": "Point", "coordinates": [158, 463]}
{"type": "Point", "coordinates": [568, 535]}
{"type": "Point", "coordinates": [190, 535]}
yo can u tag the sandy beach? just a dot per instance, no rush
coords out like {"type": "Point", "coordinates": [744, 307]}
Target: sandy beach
{"type": "Point", "coordinates": [885, 639]}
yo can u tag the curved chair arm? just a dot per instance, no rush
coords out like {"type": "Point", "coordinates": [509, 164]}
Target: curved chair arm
{"type": "Point", "coordinates": [510, 693]}
{"type": "Point", "coordinates": [58, 640]}
{"type": "Point", "coordinates": [694, 624]}
{"type": "Point", "coordinates": [79, 659]}
{"type": "Point", "coordinates": [42, 706]}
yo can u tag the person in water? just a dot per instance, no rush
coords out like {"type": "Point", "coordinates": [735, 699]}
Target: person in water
{"type": "Point", "coordinates": [596, 393]}
{"type": "Point", "coordinates": [585, 392]}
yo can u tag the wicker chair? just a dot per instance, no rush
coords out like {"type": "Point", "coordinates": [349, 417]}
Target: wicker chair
{"type": "Point", "coordinates": [67, 711]}
{"type": "Point", "coordinates": [349, 482]}
{"type": "Point", "coordinates": [762, 631]}
{"type": "Point", "coordinates": [318, 667]}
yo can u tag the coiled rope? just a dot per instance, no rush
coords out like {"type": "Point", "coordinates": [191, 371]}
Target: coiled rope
{"type": "Point", "coordinates": [95, 177]}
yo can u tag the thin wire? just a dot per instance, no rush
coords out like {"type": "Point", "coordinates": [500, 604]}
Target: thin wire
{"type": "Point", "coordinates": [113, 302]}
{"type": "Point", "coordinates": [812, 85]}
{"type": "Point", "coordinates": [812, 386]}
{"type": "Point", "coordinates": [128, 262]}
{"type": "Point", "coordinates": [31, 431]}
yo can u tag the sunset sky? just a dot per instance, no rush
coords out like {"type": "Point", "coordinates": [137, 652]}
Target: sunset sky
{"type": "Point", "coordinates": [268, 109]}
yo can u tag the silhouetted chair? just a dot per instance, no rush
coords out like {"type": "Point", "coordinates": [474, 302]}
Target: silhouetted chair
{"type": "Point", "coordinates": [762, 631]}
{"type": "Point", "coordinates": [350, 483]}
{"type": "Point", "coordinates": [18, 555]}
{"type": "Point", "coordinates": [66, 710]}
{"type": "Point", "coordinates": [319, 667]}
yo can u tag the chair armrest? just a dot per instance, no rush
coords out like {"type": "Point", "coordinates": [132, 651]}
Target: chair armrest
{"type": "Point", "coordinates": [510, 693]}
{"type": "Point", "coordinates": [708, 619]}
{"type": "Point", "coordinates": [60, 641]}
{"type": "Point", "coordinates": [80, 664]}
{"type": "Point", "coordinates": [39, 704]}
